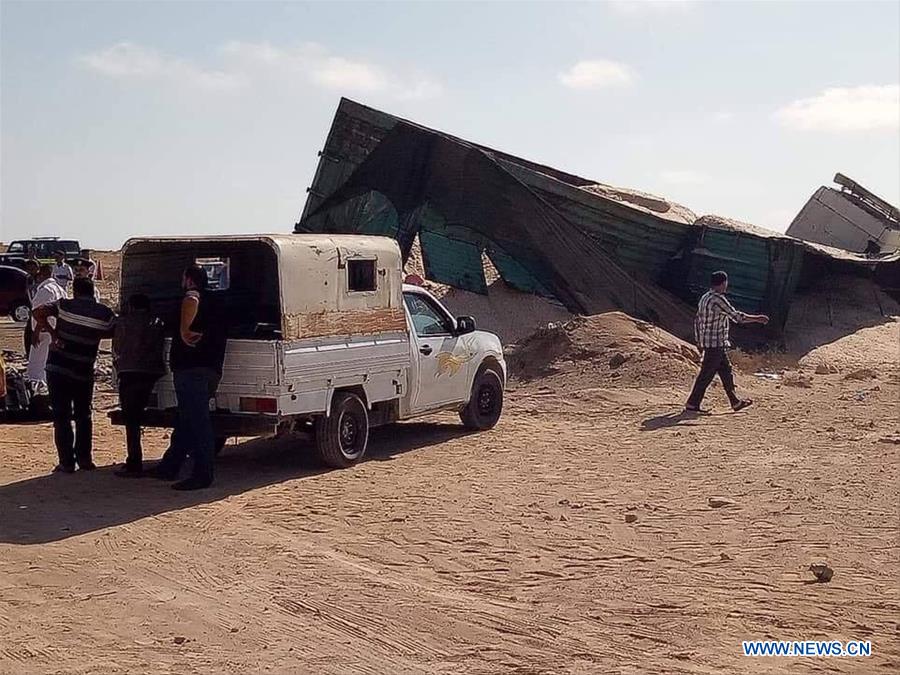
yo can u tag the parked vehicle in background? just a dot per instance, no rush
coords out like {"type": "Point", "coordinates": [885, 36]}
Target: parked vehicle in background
{"type": "Point", "coordinates": [324, 338]}
{"type": "Point", "coordinates": [42, 248]}
{"type": "Point", "coordinates": [13, 294]}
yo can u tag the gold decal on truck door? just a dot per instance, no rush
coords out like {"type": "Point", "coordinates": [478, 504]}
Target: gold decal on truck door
{"type": "Point", "coordinates": [450, 364]}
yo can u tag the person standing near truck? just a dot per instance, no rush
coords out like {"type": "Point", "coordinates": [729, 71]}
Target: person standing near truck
{"type": "Point", "coordinates": [711, 329]}
{"type": "Point", "coordinates": [62, 271]}
{"type": "Point", "coordinates": [82, 267]}
{"type": "Point", "coordinates": [138, 356]}
{"type": "Point", "coordinates": [94, 271]}
{"type": "Point", "coordinates": [196, 359]}
{"type": "Point", "coordinates": [80, 325]}
{"type": "Point", "coordinates": [31, 282]}
{"type": "Point", "coordinates": [47, 292]}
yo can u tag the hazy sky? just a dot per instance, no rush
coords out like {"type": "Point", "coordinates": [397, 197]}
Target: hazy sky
{"type": "Point", "coordinates": [128, 118]}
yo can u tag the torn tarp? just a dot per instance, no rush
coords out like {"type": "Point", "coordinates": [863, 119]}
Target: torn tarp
{"type": "Point", "coordinates": [474, 205]}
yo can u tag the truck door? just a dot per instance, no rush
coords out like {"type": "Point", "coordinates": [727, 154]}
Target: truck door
{"type": "Point", "coordinates": [440, 374]}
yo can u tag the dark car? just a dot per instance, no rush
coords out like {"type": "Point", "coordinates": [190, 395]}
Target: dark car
{"type": "Point", "coordinates": [13, 296]}
{"type": "Point", "coordinates": [42, 248]}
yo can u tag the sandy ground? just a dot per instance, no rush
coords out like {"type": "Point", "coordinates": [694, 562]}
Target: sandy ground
{"type": "Point", "coordinates": [576, 537]}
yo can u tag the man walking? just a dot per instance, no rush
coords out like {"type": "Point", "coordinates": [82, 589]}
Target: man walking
{"type": "Point", "coordinates": [196, 358]}
{"type": "Point", "coordinates": [138, 353]}
{"type": "Point", "coordinates": [711, 327]}
{"type": "Point", "coordinates": [62, 271]}
{"type": "Point", "coordinates": [80, 325]}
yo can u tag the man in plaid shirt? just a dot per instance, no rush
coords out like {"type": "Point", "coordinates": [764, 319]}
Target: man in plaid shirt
{"type": "Point", "coordinates": [714, 317]}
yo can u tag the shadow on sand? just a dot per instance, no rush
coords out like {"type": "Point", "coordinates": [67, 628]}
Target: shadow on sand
{"type": "Point", "coordinates": [55, 507]}
{"type": "Point", "coordinates": [682, 418]}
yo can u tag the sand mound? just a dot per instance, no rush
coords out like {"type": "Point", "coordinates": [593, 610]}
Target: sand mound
{"type": "Point", "coordinates": [607, 348]}
{"type": "Point", "coordinates": [644, 201]}
{"type": "Point", "coordinates": [844, 324]}
{"type": "Point", "coordinates": [505, 311]}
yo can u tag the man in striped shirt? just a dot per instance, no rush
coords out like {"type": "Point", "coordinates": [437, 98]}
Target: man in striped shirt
{"type": "Point", "coordinates": [711, 328]}
{"type": "Point", "coordinates": [80, 325]}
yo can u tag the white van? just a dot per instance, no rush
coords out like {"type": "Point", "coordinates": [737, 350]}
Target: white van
{"type": "Point", "coordinates": [324, 337]}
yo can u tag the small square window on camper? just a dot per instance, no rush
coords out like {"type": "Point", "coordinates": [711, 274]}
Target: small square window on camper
{"type": "Point", "coordinates": [361, 275]}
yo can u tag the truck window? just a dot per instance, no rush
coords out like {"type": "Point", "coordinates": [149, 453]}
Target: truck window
{"type": "Point", "coordinates": [16, 247]}
{"type": "Point", "coordinates": [218, 272]}
{"type": "Point", "coordinates": [361, 275]}
{"type": "Point", "coordinates": [427, 317]}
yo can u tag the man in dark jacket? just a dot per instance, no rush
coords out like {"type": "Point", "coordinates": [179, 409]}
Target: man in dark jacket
{"type": "Point", "coordinates": [138, 353]}
{"type": "Point", "coordinates": [196, 359]}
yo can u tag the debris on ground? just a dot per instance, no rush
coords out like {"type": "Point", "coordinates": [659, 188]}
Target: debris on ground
{"type": "Point", "coordinates": [861, 374]}
{"type": "Point", "coordinates": [720, 502]}
{"type": "Point", "coordinates": [797, 379]}
{"type": "Point", "coordinates": [822, 572]}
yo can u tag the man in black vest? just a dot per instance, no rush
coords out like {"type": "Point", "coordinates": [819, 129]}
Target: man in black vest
{"type": "Point", "coordinates": [196, 358]}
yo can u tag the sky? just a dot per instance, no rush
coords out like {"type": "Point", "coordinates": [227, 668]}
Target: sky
{"type": "Point", "coordinates": [134, 118]}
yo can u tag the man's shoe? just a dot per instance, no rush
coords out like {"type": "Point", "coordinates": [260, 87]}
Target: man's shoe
{"type": "Point", "coordinates": [87, 466]}
{"type": "Point", "coordinates": [740, 405]}
{"type": "Point", "coordinates": [192, 484]}
{"type": "Point", "coordinates": [63, 468]}
{"type": "Point", "coordinates": [127, 472]}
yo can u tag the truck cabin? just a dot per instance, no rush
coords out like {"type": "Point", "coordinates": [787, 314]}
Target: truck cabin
{"type": "Point", "coordinates": [273, 287]}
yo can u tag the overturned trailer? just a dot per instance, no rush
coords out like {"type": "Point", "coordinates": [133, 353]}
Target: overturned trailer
{"type": "Point", "coordinates": [586, 244]}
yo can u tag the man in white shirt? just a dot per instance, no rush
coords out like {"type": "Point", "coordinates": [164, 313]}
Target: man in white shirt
{"type": "Point", "coordinates": [62, 271]}
{"type": "Point", "coordinates": [47, 292]}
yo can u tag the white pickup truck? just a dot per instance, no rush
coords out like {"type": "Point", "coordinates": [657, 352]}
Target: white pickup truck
{"type": "Point", "coordinates": [324, 338]}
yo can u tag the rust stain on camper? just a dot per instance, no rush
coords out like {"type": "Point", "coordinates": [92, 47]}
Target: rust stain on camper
{"type": "Point", "coordinates": [350, 322]}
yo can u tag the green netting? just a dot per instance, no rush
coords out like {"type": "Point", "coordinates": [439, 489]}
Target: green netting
{"type": "Point", "coordinates": [515, 274]}
{"type": "Point", "coordinates": [452, 262]}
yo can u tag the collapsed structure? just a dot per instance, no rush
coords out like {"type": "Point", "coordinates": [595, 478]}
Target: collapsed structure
{"type": "Point", "coordinates": [592, 247]}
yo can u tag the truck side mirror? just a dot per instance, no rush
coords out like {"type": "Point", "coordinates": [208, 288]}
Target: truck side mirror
{"type": "Point", "coordinates": [464, 325]}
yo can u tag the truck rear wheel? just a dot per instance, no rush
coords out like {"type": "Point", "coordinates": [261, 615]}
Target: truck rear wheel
{"type": "Point", "coordinates": [486, 403]}
{"type": "Point", "coordinates": [342, 436]}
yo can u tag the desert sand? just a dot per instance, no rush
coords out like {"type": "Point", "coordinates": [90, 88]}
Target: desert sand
{"type": "Point", "coordinates": [595, 530]}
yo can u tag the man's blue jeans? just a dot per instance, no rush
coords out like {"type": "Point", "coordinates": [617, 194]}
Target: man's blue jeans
{"type": "Point", "coordinates": [193, 431]}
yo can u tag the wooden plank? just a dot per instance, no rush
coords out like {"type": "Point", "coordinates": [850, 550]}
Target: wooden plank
{"type": "Point", "coordinates": [344, 324]}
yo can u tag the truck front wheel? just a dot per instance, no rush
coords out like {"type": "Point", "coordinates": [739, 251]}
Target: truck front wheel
{"type": "Point", "coordinates": [342, 436]}
{"type": "Point", "coordinates": [486, 403]}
